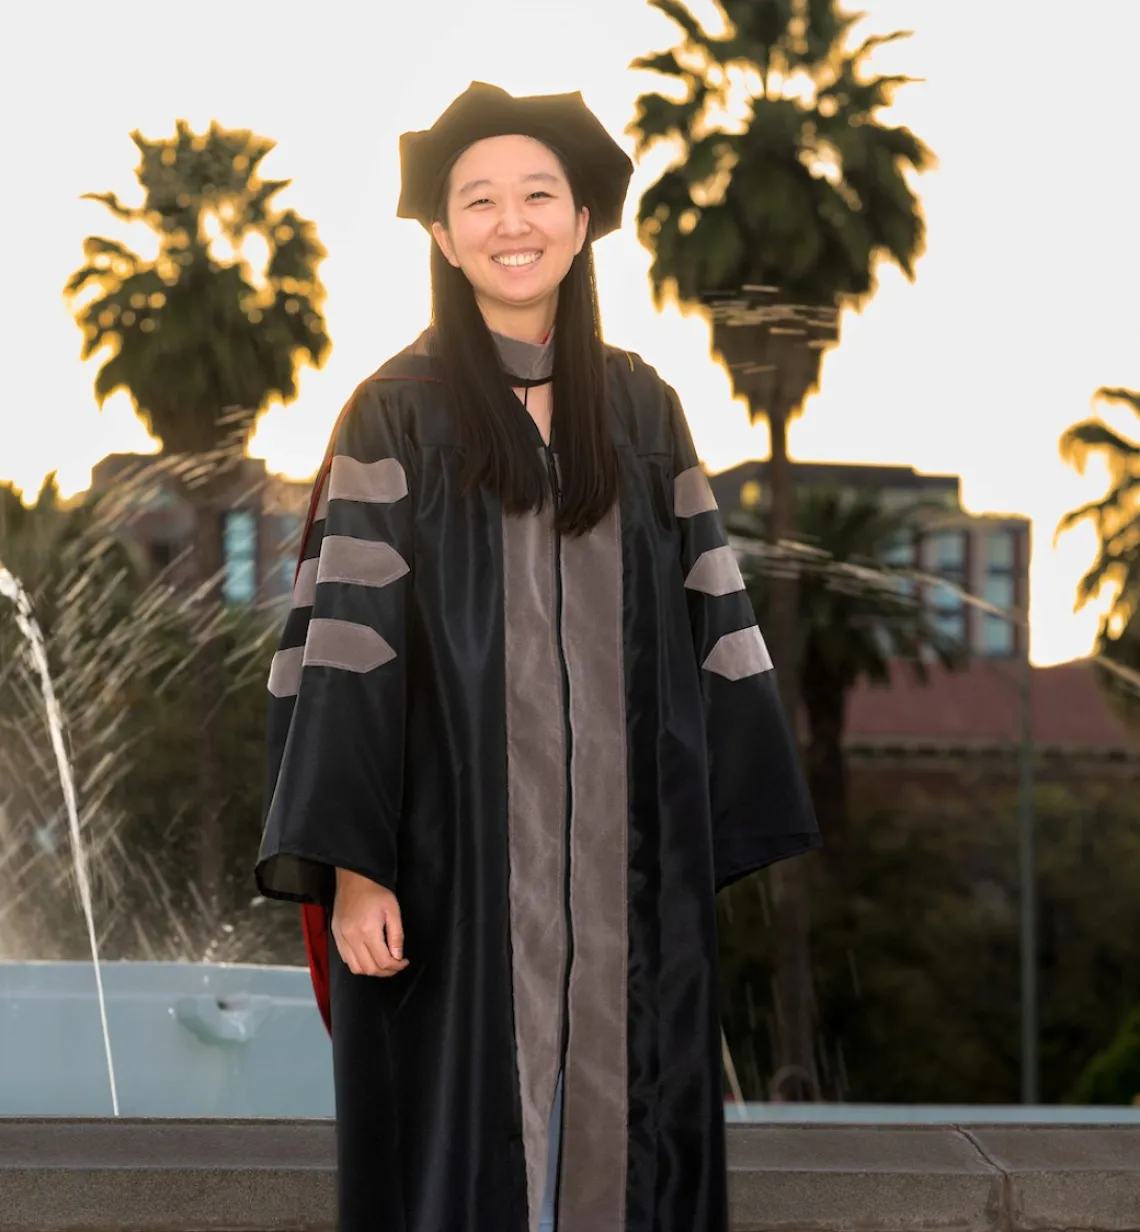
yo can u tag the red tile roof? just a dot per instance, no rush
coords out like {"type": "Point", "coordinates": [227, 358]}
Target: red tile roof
{"type": "Point", "coordinates": [981, 706]}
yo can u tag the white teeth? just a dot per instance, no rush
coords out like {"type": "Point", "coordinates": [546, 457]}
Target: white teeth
{"type": "Point", "coordinates": [522, 258]}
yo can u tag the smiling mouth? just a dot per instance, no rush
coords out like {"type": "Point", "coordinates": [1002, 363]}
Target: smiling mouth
{"type": "Point", "coordinates": [515, 260]}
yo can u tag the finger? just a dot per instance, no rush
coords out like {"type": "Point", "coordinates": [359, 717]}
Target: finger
{"type": "Point", "coordinates": [394, 932]}
{"type": "Point", "coordinates": [354, 949]}
{"type": "Point", "coordinates": [349, 956]}
{"type": "Point", "coordinates": [380, 958]}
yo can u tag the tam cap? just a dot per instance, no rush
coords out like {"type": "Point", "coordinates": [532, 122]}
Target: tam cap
{"type": "Point", "coordinates": [599, 167]}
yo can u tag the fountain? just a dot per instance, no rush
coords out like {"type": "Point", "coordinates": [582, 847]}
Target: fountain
{"type": "Point", "coordinates": [187, 1015]}
{"type": "Point", "coordinates": [228, 1029]}
{"type": "Point", "coordinates": [11, 589]}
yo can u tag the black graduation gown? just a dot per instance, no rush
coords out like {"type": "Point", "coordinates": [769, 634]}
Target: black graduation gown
{"type": "Point", "coordinates": [554, 750]}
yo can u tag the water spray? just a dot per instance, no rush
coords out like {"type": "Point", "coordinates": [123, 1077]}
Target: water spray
{"type": "Point", "coordinates": [26, 621]}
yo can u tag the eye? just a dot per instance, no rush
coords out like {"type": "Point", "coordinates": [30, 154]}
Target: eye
{"type": "Point", "coordinates": [540, 192]}
{"type": "Point", "coordinates": [478, 201]}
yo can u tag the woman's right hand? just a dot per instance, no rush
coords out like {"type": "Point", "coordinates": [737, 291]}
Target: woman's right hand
{"type": "Point", "coordinates": [366, 926]}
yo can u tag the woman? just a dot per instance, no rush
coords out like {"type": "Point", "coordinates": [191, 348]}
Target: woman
{"type": "Point", "coordinates": [523, 726]}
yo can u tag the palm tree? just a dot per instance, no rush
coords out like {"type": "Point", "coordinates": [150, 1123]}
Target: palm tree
{"type": "Point", "coordinates": [857, 614]}
{"type": "Point", "coordinates": [799, 201]}
{"type": "Point", "coordinates": [1117, 514]}
{"type": "Point", "coordinates": [204, 340]}
{"type": "Point", "coordinates": [769, 223]}
{"type": "Point", "coordinates": [1116, 517]}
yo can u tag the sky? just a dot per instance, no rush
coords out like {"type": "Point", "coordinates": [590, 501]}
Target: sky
{"type": "Point", "coordinates": [1024, 302]}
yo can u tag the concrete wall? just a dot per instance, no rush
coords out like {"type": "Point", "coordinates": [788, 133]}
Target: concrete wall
{"type": "Point", "coordinates": [178, 1176]}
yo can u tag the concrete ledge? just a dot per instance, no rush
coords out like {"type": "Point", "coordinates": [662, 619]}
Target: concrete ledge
{"type": "Point", "coordinates": [61, 1175]}
{"type": "Point", "coordinates": [166, 1176]}
{"type": "Point", "coordinates": [865, 1178]}
{"type": "Point", "coordinates": [1064, 1177]}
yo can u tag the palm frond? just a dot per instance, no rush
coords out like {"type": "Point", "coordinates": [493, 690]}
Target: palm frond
{"type": "Point", "coordinates": [859, 96]}
{"type": "Point", "coordinates": [99, 245]}
{"type": "Point", "coordinates": [663, 62]}
{"type": "Point", "coordinates": [875, 41]}
{"type": "Point", "coordinates": [659, 118]}
{"type": "Point", "coordinates": [1125, 397]}
{"type": "Point", "coordinates": [690, 27]}
{"type": "Point", "coordinates": [254, 214]}
{"type": "Point", "coordinates": [1094, 510]}
{"type": "Point", "coordinates": [1093, 435]}
{"type": "Point", "coordinates": [112, 202]}
{"type": "Point", "coordinates": [1106, 570]}
{"type": "Point", "coordinates": [114, 375]}
{"type": "Point", "coordinates": [900, 145]}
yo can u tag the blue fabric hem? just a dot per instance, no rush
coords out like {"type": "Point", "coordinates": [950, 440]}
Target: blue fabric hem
{"type": "Point", "coordinates": [546, 1222]}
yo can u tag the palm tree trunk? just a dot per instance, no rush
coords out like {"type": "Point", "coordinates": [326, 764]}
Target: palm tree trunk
{"type": "Point", "coordinates": [210, 684]}
{"type": "Point", "coordinates": [795, 1076]}
{"type": "Point", "coordinates": [826, 707]}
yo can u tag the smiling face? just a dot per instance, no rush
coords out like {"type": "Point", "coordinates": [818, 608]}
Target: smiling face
{"type": "Point", "coordinates": [510, 224]}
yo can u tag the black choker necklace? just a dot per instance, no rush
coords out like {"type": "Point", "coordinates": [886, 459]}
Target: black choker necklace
{"type": "Point", "coordinates": [523, 382]}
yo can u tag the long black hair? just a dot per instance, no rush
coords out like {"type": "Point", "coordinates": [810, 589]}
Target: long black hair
{"type": "Point", "coordinates": [497, 445]}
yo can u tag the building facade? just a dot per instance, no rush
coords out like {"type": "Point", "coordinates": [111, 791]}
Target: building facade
{"type": "Point", "coordinates": [962, 731]}
{"type": "Point", "coordinates": [986, 555]}
{"type": "Point", "coordinates": [263, 519]}
{"type": "Point", "coordinates": [957, 722]}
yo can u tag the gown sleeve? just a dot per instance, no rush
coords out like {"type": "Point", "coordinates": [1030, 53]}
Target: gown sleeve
{"type": "Point", "coordinates": [761, 809]}
{"type": "Point", "coordinates": [335, 732]}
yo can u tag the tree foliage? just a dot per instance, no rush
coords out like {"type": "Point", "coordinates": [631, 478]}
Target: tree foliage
{"type": "Point", "coordinates": [1116, 567]}
{"type": "Point", "coordinates": [122, 646]}
{"type": "Point", "coordinates": [807, 190]}
{"type": "Point", "coordinates": [1116, 515]}
{"type": "Point", "coordinates": [203, 336]}
{"type": "Point", "coordinates": [1113, 1075]}
{"type": "Point", "coordinates": [915, 965]}
{"type": "Point", "coordinates": [859, 609]}
{"type": "Point", "coordinates": [857, 614]}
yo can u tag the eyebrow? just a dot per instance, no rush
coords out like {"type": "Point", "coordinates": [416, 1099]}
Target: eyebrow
{"type": "Point", "coordinates": [544, 177]}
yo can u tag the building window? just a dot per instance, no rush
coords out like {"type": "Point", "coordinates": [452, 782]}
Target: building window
{"type": "Point", "coordinates": [902, 553]}
{"type": "Point", "coordinates": [901, 550]}
{"type": "Point", "coordinates": [998, 634]}
{"type": "Point", "coordinates": [949, 620]}
{"type": "Point", "coordinates": [999, 637]}
{"type": "Point", "coordinates": [239, 583]}
{"type": "Point", "coordinates": [290, 527]}
{"type": "Point", "coordinates": [999, 551]}
{"type": "Point", "coordinates": [999, 590]}
{"type": "Point", "coordinates": [946, 554]}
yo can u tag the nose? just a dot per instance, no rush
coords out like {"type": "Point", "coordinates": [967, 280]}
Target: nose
{"type": "Point", "coordinates": [512, 221]}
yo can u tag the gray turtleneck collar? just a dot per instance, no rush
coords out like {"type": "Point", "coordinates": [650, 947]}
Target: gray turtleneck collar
{"type": "Point", "coordinates": [526, 361]}
{"type": "Point", "coordinates": [529, 361]}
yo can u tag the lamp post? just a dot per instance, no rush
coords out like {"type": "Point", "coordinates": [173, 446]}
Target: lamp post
{"type": "Point", "coordinates": [1027, 870]}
